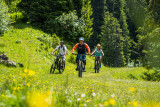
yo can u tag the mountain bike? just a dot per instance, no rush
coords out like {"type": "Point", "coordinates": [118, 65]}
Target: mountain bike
{"type": "Point", "coordinates": [57, 64]}
{"type": "Point", "coordinates": [97, 65]}
{"type": "Point", "coordinates": [80, 65]}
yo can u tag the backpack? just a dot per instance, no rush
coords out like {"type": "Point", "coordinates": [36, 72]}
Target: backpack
{"type": "Point", "coordinates": [63, 47]}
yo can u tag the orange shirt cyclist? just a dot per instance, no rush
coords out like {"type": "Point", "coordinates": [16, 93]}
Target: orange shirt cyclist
{"type": "Point", "coordinates": [82, 47]}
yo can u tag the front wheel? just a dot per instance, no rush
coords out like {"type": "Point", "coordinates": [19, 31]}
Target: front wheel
{"type": "Point", "coordinates": [53, 67]}
{"type": "Point", "coordinates": [80, 69]}
{"type": "Point", "coordinates": [61, 67]}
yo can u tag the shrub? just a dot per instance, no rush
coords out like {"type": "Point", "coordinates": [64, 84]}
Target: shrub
{"type": "Point", "coordinates": [4, 17]}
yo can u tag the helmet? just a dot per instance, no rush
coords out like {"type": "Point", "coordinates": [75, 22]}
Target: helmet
{"type": "Point", "coordinates": [81, 38]}
{"type": "Point", "coordinates": [62, 42]}
{"type": "Point", "coordinates": [98, 45]}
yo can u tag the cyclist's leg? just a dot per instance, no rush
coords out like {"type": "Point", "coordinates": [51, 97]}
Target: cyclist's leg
{"type": "Point", "coordinates": [100, 60]}
{"type": "Point", "coordinates": [57, 58]}
{"type": "Point", "coordinates": [77, 60]}
{"type": "Point", "coordinates": [95, 61]}
{"type": "Point", "coordinates": [84, 61]}
{"type": "Point", "coordinates": [63, 61]}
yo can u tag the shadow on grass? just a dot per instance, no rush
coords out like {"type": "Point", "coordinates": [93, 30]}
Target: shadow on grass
{"type": "Point", "coordinates": [21, 25]}
{"type": "Point", "coordinates": [1, 45]}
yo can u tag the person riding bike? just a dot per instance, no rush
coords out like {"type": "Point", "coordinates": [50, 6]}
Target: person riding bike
{"type": "Point", "coordinates": [62, 52]}
{"type": "Point", "coordinates": [98, 53]}
{"type": "Point", "coordinates": [81, 50]}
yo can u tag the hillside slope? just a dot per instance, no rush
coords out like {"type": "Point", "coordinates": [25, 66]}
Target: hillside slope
{"type": "Point", "coordinates": [33, 85]}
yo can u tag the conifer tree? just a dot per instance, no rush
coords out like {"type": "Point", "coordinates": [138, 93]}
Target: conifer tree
{"type": "Point", "coordinates": [112, 41]}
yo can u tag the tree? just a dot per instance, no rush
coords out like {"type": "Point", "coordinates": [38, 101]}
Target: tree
{"type": "Point", "coordinates": [125, 31]}
{"type": "Point", "coordinates": [4, 17]}
{"type": "Point", "coordinates": [112, 42]}
{"type": "Point", "coordinates": [69, 27]}
{"type": "Point", "coordinates": [98, 17]}
{"type": "Point", "coordinates": [154, 7]}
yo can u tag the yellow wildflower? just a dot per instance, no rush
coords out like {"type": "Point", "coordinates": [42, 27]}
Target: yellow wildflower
{"type": "Point", "coordinates": [14, 80]}
{"type": "Point", "coordinates": [31, 73]}
{"type": "Point", "coordinates": [28, 84]}
{"type": "Point", "coordinates": [132, 89]}
{"type": "Point", "coordinates": [106, 103]}
{"type": "Point", "coordinates": [38, 99]}
{"type": "Point", "coordinates": [23, 74]}
{"type": "Point", "coordinates": [2, 95]}
{"type": "Point", "coordinates": [89, 100]}
{"type": "Point", "coordinates": [25, 70]}
{"type": "Point", "coordinates": [112, 101]}
{"type": "Point", "coordinates": [14, 88]}
{"type": "Point", "coordinates": [135, 103]}
{"type": "Point", "coordinates": [129, 102]}
{"type": "Point", "coordinates": [18, 88]}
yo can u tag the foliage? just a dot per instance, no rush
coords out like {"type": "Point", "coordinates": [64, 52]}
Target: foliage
{"type": "Point", "coordinates": [16, 17]}
{"type": "Point", "coordinates": [154, 9]}
{"type": "Point", "coordinates": [151, 47]}
{"type": "Point", "coordinates": [4, 17]}
{"type": "Point", "coordinates": [112, 42]}
{"type": "Point", "coordinates": [152, 75]}
{"type": "Point", "coordinates": [45, 13]}
{"type": "Point", "coordinates": [98, 17]}
{"type": "Point", "coordinates": [69, 26]}
{"type": "Point", "coordinates": [125, 31]}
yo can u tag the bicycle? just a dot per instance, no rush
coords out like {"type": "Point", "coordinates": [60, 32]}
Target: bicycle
{"type": "Point", "coordinates": [97, 65]}
{"type": "Point", "coordinates": [80, 65]}
{"type": "Point", "coordinates": [57, 64]}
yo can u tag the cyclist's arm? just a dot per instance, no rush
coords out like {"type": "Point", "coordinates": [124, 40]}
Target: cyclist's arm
{"type": "Point", "coordinates": [88, 49]}
{"type": "Point", "coordinates": [55, 49]}
{"type": "Point", "coordinates": [65, 51]}
{"type": "Point", "coordinates": [93, 52]}
{"type": "Point", "coordinates": [74, 47]}
{"type": "Point", "coordinates": [102, 53]}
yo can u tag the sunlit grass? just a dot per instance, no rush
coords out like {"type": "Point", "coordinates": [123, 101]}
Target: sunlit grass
{"type": "Point", "coordinates": [34, 86]}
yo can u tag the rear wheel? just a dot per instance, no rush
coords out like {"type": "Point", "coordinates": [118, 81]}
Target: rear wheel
{"type": "Point", "coordinates": [53, 67]}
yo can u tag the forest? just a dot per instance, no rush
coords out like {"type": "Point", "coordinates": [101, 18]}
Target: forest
{"type": "Point", "coordinates": [128, 31]}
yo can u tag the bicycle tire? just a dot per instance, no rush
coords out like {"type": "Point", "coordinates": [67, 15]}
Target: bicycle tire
{"type": "Point", "coordinates": [80, 69]}
{"type": "Point", "coordinates": [53, 67]}
{"type": "Point", "coordinates": [60, 68]}
{"type": "Point", "coordinates": [95, 66]}
{"type": "Point", "coordinates": [98, 65]}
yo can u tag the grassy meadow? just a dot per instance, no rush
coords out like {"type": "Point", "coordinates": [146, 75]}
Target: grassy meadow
{"type": "Point", "coordinates": [34, 86]}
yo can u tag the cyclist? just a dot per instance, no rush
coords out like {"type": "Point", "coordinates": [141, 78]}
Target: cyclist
{"type": "Point", "coordinates": [62, 52]}
{"type": "Point", "coordinates": [81, 50]}
{"type": "Point", "coordinates": [98, 53]}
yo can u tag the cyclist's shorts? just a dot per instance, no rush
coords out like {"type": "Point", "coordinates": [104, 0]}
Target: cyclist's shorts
{"type": "Point", "coordinates": [83, 57]}
{"type": "Point", "coordinates": [63, 59]}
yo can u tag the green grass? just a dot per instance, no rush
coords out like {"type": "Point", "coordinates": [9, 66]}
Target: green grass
{"type": "Point", "coordinates": [112, 86]}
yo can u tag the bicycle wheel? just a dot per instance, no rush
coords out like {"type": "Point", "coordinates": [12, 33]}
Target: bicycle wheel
{"type": "Point", "coordinates": [95, 66]}
{"type": "Point", "coordinates": [60, 67]}
{"type": "Point", "coordinates": [80, 69]}
{"type": "Point", "coordinates": [53, 67]}
{"type": "Point", "coordinates": [98, 66]}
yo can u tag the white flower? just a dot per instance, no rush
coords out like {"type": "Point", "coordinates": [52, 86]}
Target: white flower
{"type": "Point", "coordinates": [85, 105]}
{"type": "Point", "coordinates": [75, 93]}
{"type": "Point", "coordinates": [83, 95]}
{"type": "Point", "coordinates": [113, 96]}
{"type": "Point", "coordinates": [70, 101]}
{"type": "Point", "coordinates": [78, 99]}
{"type": "Point", "coordinates": [93, 94]}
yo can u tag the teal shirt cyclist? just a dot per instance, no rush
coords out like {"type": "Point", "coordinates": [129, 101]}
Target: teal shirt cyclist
{"type": "Point", "coordinates": [98, 53]}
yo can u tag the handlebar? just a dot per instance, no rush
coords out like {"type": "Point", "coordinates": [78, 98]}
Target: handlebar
{"type": "Point", "coordinates": [79, 54]}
